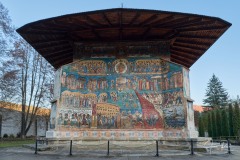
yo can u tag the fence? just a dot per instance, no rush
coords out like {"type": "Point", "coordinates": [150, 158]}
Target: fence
{"type": "Point", "coordinates": [190, 143]}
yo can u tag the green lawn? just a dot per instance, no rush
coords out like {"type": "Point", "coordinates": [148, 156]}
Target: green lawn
{"type": "Point", "coordinates": [15, 143]}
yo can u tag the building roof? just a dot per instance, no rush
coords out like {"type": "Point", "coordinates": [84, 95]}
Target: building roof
{"type": "Point", "coordinates": [200, 108]}
{"type": "Point", "coordinates": [17, 107]}
{"type": "Point", "coordinates": [190, 35]}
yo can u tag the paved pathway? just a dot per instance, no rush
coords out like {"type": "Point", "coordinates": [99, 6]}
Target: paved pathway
{"type": "Point", "coordinates": [62, 153]}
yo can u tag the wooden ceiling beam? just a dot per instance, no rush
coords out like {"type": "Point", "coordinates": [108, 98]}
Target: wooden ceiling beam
{"type": "Point", "coordinates": [81, 23]}
{"type": "Point", "coordinates": [88, 18]}
{"type": "Point", "coordinates": [188, 46]}
{"type": "Point", "coordinates": [192, 42]}
{"type": "Point", "coordinates": [189, 22]}
{"type": "Point", "coordinates": [47, 54]}
{"type": "Point", "coordinates": [52, 46]}
{"type": "Point", "coordinates": [182, 52]}
{"type": "Point", "coordinates": [196, 24]}
{"type": "Point", "coordinates": [146, 32]}
{"type": "Point", "coordinates": [96, 34]}
{"type": "Point", "coordinates": [197, 37]}
{"type": "Point", "coordinates": [161, 21]}
{"type": "Point", "coordinates": [137, 15]}
{"type": "Point", "coordinates": [150, 19]}
{"type": "Point", "coordinates": [106, 19]}
{"type": "Point", "coordinates": [62, 55]}
{"type": "Point", "coordinates": [173, 22]}
{"type": "Point", "coordinates": [184, 59]}
{"type": "Point", "coordinates": [202, 29]}
{"type": "Point", "coordinates": [49, 41]}
{"type": "Point", "coordinates": [180, 62]}
{"type": "Point", "coordinates": [65, 60]}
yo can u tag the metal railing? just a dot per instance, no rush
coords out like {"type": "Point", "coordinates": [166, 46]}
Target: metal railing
{"type": "Point", "coordinates": [190, 142]}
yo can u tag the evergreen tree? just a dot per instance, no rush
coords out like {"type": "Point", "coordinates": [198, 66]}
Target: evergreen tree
{"type": "Point", "coordinates": [200, 126]}
{"type": "Point", "coordinates": [214, 127]}
{"type": "Point", "coordinates": [210, 130]}
{"type": "Point", "coordinates": [230, 119]}
{"type": "Point", "coordinates": [236, 119]}
{"type": "Point", "coordinates": [218, 123]}
{"type": "Point", "coordinates": [225, 126]}
{"type": "Point", "coordinates": [216, 95]}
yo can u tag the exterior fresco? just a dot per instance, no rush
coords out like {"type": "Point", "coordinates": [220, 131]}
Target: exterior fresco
{"type": "Point", "coordinates": [133, 93]}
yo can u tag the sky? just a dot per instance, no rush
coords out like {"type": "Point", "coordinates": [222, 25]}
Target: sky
{"type": "Point", "coordinates": [222, 59]}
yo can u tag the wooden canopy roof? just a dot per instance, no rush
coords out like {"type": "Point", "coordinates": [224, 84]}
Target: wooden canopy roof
{"type": "Point", "coordinates": [190, 35]}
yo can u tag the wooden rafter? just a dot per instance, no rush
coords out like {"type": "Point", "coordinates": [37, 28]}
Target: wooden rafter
{"type": "Point", "coordinates": [137, 15]}
{"type": "Point", "coordinates": [186, 54]}
{"type": "Point", "coordinates": [149, 19]}
{"type": "Point", "coordinates": [106, 19]}
{"type": "Point", "coordinates": [187, 46]}
{"type": "Point", "coordinates": [49, 54]}
{"type": "Point", "coordinates": [202, 29]}
{"type": "Point", "coordinates": [52, 46]}
{"type": "Point", "coordinates": [92, 20]}
{"type": "Point", "coordinates": [189, 35]}
{"type": "Point", "coordinates": [182, 62]}
{"type": "Point", "coordinates": [193, 42]}
{"type": "Point", "coordinates": [162, 21]}
{"type": "Point", "coordinates": [173, 22]}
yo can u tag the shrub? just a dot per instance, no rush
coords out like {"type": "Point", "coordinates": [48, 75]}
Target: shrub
{"type": "Point", "coordinates": [11, 136]}
{"type": "Point", "coordinates": [5, 135]}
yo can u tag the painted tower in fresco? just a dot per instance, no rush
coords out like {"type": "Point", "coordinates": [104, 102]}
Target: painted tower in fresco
{"type": "Point", "coordinates": [123, 73]}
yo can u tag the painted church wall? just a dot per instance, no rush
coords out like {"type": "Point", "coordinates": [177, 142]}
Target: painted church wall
{"type": "Point", "coordinates": [133, 94]}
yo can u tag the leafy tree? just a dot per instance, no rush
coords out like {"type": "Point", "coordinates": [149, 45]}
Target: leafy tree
{"type": "Point", "coordinates": [230, 119]}
{"type": "Point", "coordinates": [216, 95]}
{"type": "Point", "coordinates": [218, 123]}
{"type": "Point", "coordinates": [210, 127]}
{"type": "Point", "coordinates": [236, 120]}
{"type": "Point", "coordinates": [225, 124]}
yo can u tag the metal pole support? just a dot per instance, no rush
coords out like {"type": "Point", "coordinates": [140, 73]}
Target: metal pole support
{"type": "Point", "coordinates": [108, 148]}
{"type": "Point", "coordinates": [36, 146]}
{"type": "Point", "coordinates": [192, 152]}
{"type": "Point", "coordinates": [229, 150]}
{"type": "Point", "coordinates": [157, 154]}
{"type": "Point", "coordinates": [70, 148]}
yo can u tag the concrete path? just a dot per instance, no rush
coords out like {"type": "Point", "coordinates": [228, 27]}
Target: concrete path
{"type": "Point", "coordinates": [63, 153]}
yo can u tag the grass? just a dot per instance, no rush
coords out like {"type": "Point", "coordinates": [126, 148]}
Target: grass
{"type": "Point", "coordinates": [14, 143]}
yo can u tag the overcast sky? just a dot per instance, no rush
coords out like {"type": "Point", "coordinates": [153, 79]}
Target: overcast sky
{"type": "Point", "coordinates": [222, 58]}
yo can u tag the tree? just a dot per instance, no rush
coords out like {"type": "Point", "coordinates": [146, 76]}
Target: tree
{"type": "Point", "coordinates": [216, 95]}
{"type": "Point", "coordinates": [236, 119]}
{"type": "Point", "coordinates": [214, 126]}
{"type": "Point", "coordinates": [225, 126]}
{"type": "Point", "coordinates": [7, 72]}
{"type": "Point", "coordinates": [33, 77]}
{"type": "Point", "coordinates": [230, 119]}
{"type": "Point", "coordinates": [210, 127]}
{"type": "Point", "coordinates": [218, 123]}
{"type": "Point", "coordinates": [200, 126]}
{"type": "Point", "coordinates": [25, 76]}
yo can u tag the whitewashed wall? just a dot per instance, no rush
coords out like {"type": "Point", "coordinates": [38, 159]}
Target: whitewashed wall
{"type": "Point", "coordinates": [11, 124]}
